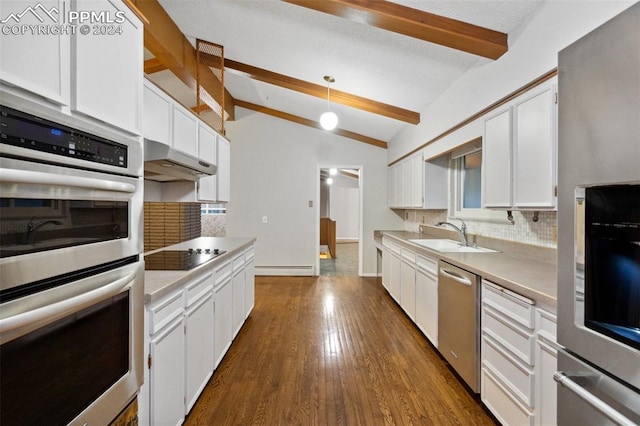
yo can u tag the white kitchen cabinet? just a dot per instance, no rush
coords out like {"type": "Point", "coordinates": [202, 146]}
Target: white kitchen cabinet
{"type": "Point", "coordinates": [184, 130]}
{"type": "Point", "coordinates": [223, 175]}
{"type": "Point", "coordinates": [107, 67]}
{"type": "Point", "coordinates": [519, 153]}
{"type": "Point", "coordinates": [395, 272]}
{"type": "Point", "coordinates": [417, 181]}
{"type": "Point", "coordinates": [238, 290]}
{"type": "Point", "coordinates": [519, 358]}
{"type": "Point", "coordinates": [156, 113]}
{"type": "Point", "coordinates": [223, 323]}
{"type": "Point", "coordinates": [416, 184]}
{"type": "Point", "coordinates": [408, 282]}
{"type": "Point", "coordinates": [167, 360]}
{"type": "Point", "coordinates": [207, 143]}
{"type": "Point", "coordinates": [199, 338]}
{"type": "Point", "coordinates": [427, 297]}
{"type": "Point", "coordinates": [386, 265]}
{"type": "Point", "coordinates": [250, 285]}
{"type": "Point", "coordinates": [535, 151]}
{"type": "Point", "coordinates": [496, 158]}
{"type": "Point", "coordinates": [406, 183]}
{"type": "Point", "coordinates": [40, 65]}
{"type": "Point", "coordinates": [546, 365]}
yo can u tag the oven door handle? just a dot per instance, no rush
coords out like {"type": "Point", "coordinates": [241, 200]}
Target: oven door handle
{"type": "Point", "coordinates": [66, 307]}
{"type": "Point", "coordinates": [42, 178]}
{"type": "Point", "coordinates": [565, 380]}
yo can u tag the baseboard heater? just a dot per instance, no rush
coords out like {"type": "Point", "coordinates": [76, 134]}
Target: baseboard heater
{"type": "Point", "coordinates": [306, 271]}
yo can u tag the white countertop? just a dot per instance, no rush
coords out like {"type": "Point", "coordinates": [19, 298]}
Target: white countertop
{"type": "Point", "coordinates": [531, 278]}
{"type": "Point", "coordinates": [160, 283]}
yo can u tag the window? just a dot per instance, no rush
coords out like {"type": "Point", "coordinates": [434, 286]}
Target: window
{"type": "Point", "coordinates": [213, 209]}
{"type": "Point", "coordinates": [466, 184]}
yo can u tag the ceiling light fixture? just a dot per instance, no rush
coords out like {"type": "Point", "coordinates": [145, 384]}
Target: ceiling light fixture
{"type": "Point", "coordinates": [329, 119]}
{"type": "Point", "coordinates": [329, 181]}
{"type": "Point", "coordinates": [333, 172]}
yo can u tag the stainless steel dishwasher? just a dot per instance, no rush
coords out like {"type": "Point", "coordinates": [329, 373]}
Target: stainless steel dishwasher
{"type": "Point", "coordinates": [459, 321]}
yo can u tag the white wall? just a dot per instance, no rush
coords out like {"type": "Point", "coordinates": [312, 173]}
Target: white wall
{"type": "Point", "coordinates": [274, 173]}
{"type": "Point", "coordinates": [345, 206]}
{"type": "Point", "coordinates": [533, 50]}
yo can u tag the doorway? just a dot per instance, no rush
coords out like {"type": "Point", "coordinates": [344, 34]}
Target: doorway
{"type": "Point", "coordinates": [340, 221]}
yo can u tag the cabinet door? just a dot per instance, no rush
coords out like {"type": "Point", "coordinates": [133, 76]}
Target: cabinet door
{"type": "Point", "coordinates": [238, 312]}
{"type": "Point", "coordinates": [199, 347]}
{"type": "Point", "coordinates": [185, 131]}
{"type": "Point", "coordinates": [386, 268]}
{"type": "Point", "coordinates": [35, 63]}
{"type": "Point", "coordinates": [406, 183]}
{"type": "Point", "coordinates": [394, 279]}
{"type": "Point", "coordinates": [397, 185]}
{"type": "Point", "coordinates": [250, 286]}
{"type": "Point", "coordinates": [427, 305]}
{"type": "Point", "coordinates": [535, 151]}
{"type": "Point", "coordinates": [546, 366]}
{"type": "Point", "coordinates": [106, 70]}
{"type": "Point", "coordinates": [157, 114]}
{"type": "Point", "coordinates": [207, 143]}
{"type": "Point", "coordinates": [408, 289]}
{"type": "Point", "coordinates": [391, 187]}
{"type": "Point", "coordinates": [222, 320]}
{"type": "Point", "coordinates": [417, 180]}
{"type": "Point", "coordinates": [224, 170]}
{"type": "Point", "coordinates": [496, 160]}
{"type": "Point", "coordinates": [166, 375]}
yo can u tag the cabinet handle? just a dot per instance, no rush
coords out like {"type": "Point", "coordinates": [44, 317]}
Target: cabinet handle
{"type": "Point", "coordinates": [564, 380]}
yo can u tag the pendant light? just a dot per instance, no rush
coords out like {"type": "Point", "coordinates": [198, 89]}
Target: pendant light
{"type": "Point", "coordinates": [329, 119]}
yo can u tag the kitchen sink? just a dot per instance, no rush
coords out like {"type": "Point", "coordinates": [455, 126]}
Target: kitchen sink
{"type": "Point", "coordinates": [450, 246]}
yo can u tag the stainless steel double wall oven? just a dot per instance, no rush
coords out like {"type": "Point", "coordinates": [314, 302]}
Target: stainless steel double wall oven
{"type": "Point", "coordinates": [71, 289]}
{"type": "Point", "coordinates": [599, 226]}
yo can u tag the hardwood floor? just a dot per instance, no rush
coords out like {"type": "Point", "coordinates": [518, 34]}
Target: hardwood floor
{"type": "Point", "coordinates": [332, 351]}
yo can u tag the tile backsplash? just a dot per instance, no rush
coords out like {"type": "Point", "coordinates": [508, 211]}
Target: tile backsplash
{"type": "Point", "coordinates": [170, 223]}
{"type": "Point", "coordinates": [523, 230]}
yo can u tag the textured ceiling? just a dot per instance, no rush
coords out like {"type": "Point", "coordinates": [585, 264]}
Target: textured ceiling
{"type": "Point", "coordinates": [365, 61]}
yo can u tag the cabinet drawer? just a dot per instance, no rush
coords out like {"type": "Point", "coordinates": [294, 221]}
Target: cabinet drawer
{"type": "Point", "coordinates": [198, 288]}
{"type": "Point", "coordinates": [238, 262]}
{"type": "Point", "coordinates": [513, 305]}
{"type": "Point", "coordinates": [519, 341]}
{"type": "Point", "coordinates": [514, 375]}
{"type": "Point", "coordinates": [165, 311]}
{"type": "Point", "coordinates": [502, 404]}
{"type": "Point", "coordinates": [221, 273]}
{"type": "Point", "coordinates": [408, 256]}
{"type": "Point", "coordinates": [427, 265]}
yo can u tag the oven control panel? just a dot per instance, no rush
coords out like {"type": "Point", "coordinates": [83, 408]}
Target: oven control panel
{"type": "Point", "coordinates": [27, 131]}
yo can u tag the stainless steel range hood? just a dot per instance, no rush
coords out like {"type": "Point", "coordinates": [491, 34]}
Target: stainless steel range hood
{"type": "Point", "coordinates": [163, 163]}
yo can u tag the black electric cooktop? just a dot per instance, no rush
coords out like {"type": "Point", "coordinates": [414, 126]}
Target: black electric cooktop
{"type": "Point", "coordinates": [179, 260]}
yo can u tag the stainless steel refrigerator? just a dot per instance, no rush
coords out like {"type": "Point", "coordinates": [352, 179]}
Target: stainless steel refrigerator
{"type": "Point", "coordinates": [599, 225]}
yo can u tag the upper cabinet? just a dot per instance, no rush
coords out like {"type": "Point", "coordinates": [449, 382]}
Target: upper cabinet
{"type": "Point", "coordinates": [157, 114]}
{"type": "Point", "coordinates": [106, 66]}
{"type": "Point", "coordinates": [184, 133]}
{"type": "Point", "coordinates": [93, 67]}
{"type": "Point", "coordinates": [416, 184]}
{"type": "Point", "coordinates": [39, 65]}
{"type": "Point", "coordinates": [519, 154]}
{"type": "Point", "coordinates": [224, 170]}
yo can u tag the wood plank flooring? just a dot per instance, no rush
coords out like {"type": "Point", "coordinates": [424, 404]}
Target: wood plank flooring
{"type": "Point", "coordinates": [332, 351]}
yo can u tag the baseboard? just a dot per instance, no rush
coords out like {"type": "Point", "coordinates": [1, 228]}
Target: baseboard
{"type": "Point", "coordinates": [346, 240]}
{"type": "Point", "coordinates": [305, 271]}
{"type": "Point", "coordinates": [371, 275]}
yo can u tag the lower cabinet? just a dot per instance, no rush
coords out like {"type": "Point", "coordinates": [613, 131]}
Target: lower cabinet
{"type": "Point", "coordinates": [427, 297]}
{"type": "Point", "coordinates": [188, 332]}
{"type": "Point", "coordinates": [517, 358]}
{"type": "Point", "coordinates": [408, 283]}
{"type": "Point", "coordinates": [395, 273]}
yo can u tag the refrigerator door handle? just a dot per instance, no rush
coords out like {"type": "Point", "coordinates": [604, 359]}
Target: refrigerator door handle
{"type": "Point", "coordinates": [565, 380]}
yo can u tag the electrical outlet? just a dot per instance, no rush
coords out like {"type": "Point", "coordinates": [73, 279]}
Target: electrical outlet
{"type": "Point", "coordinates": [310, 203]}
{"type": "Point", "coordinates": [264, 219]}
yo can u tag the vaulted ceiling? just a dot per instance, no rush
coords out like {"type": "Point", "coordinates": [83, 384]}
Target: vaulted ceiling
{"type": "Point", "coordinates": [390, 60]}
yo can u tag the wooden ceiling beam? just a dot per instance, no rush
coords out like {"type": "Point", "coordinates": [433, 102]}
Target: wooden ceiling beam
{"type": "Point", "coordinates": [165, 41]}
{"type": "Point", "coordinates": [309, 123]}
{"type": "Point", "coordinates": [320, 91]}
{"type": "Point", "coordinates": [415, 23]}
{"type": "Point", "coordinates": [153, 65]}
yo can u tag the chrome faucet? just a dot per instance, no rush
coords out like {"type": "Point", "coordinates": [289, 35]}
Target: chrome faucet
{"type": "Point", "coordinates": [31, 228]}
{"type": "Point", "coordinates": [462, 231]}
